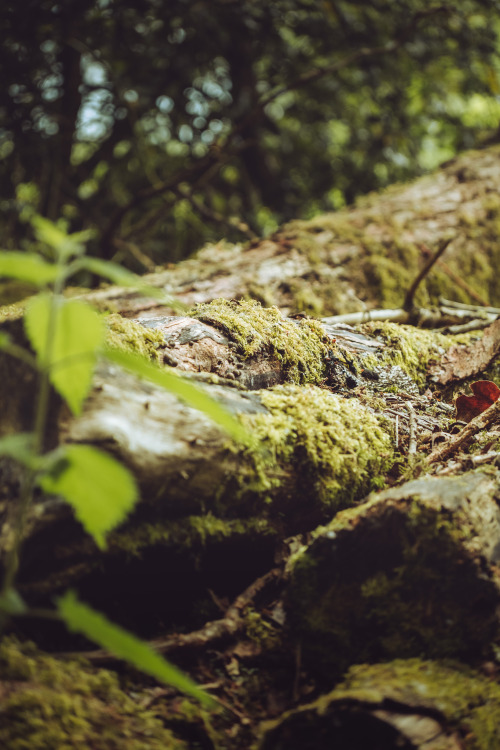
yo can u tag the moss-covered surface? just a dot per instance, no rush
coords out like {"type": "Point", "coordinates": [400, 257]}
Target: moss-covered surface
{"type": "Point", "coordinates": [393, 579]}
{"type": "Point", "coordinates": [459, 699]}
{"type": "Point", "coordinates": [411, 348]}
{"type": "Point", "coordinates": [129, 336]}
{"type": "Point", "coordinates": [47, 703]}
{"type": "Point", "coordinates": [336, 448]}
{"type": "Point", "coordinates": [193, 534]}
{"type": "Point", "coordinates": [299, 346]}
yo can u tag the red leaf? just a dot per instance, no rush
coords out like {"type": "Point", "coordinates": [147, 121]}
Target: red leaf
{"type": "Point", "coordinates": [485, 394]}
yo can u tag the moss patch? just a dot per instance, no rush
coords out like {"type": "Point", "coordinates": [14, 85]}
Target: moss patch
{"type": "Point", "coordinates": [299, 346]}
{"type": "Point", "coordinates": [336, 447]}
{"type": "Point", "coordinates": [130, 336]}
{"type": "Point", "coordinates": [393, 579]}
{"type": "Point", "coordinates": [64, 704]}
{"type": "Point", "coordinates": [462, 701]}
{"type": "Point", "coordinates": [411, 348]}
{"type": "Point", "coordinates": [192, 534]}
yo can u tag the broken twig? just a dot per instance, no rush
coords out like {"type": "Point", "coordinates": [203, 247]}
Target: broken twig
{"type": "Point", "coordinates": [464, 436]}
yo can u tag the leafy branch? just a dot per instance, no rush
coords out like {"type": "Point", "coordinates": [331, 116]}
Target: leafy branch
{"type": "Point", "coordinates": [67, 336]}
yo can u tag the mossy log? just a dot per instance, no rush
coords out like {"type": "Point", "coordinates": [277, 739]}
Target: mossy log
{"type": "Point", "coordinates": [401, 705]}
{"type": "Point", "coordinates": [411, 571]}
{"type": "Point", "coordinates": [356, 259]}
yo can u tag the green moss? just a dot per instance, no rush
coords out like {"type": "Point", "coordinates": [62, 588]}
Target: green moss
{"type": "Point", "coordinates": [335, 446]}
{"type": "Point", "coordinates": [411, 348]}
{"type": "Point", "coordinates": [192, 533]}
{"type": "Point", "coordinates": [408, 594]}
{"type": "Point", "coordinates": [464, 702]}
{"type": "Point", "coordinates": [130, 336]}
{"type": "Point", "coordinates": [307, 298]}
{"type": "Point", "coordinates": [49, 703]}
{"type": "Point", "coordinates": [469, 701]}
{"type": "Point", "coordinates": [259, 630]}
{"type": "Point", "coordinates": [300, 347]}
{"type": "Point", "coordinates": [14, 311]}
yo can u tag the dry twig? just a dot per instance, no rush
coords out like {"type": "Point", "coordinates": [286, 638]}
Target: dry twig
{"type": "Point", "coordinates": [214, 631]}
{"type": "Point", "coordinates": [464, 436]}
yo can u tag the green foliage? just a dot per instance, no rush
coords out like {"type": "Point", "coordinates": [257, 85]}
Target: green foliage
{"type": "Point", "coordinates": [165, 124]}
{"type": "Point", "coordinates": [67, 337]}
{"type": "Point", "coordinates": [102, 505]}
{"type": "Point", "coordinates": [27, 267]}
{"type": "Point", "coordinates": [81, 618]}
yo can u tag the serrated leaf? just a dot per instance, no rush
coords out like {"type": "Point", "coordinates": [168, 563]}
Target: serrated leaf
{"type": "Point", "coordinates": [184, 390]}
{"type": "Point", "coordinates": [65, 245]}
{"type": "Point", "coordinates": [27, 267]}
{"type": "Point", "coordinates": [70, 349]}
{"type": "Point", "coordinates": [81, 618]}
{"type": "Point", "coordinates": [99, 489]}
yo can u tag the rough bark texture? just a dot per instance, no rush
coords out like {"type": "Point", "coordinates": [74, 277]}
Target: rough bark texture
{"type": "Point", "coordinates": [222, 563]}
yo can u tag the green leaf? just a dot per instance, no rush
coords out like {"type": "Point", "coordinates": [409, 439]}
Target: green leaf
{"type": "Point", "coordinates": [66, 336]}
{"type": "Point", "coordinates": [99, 489]}
{"type": "Point", "coordinates": [20, 447]}
{"type": "Point", "coordinates": [12, 603]}
{"type": "Point", "coordinates": [27, 267]}
{"type": "Point", "coordinates": [184, 390]}
{"type": "Point", "coordinates": [4, 340]}
{"type": "Point", "coordinates": [81, 618]}
{"type": "Point", "coordinates": [65, 245]}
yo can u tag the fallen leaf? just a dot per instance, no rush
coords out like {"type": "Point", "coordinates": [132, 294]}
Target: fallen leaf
{"type": "Point", "coordinates": [485, 394]}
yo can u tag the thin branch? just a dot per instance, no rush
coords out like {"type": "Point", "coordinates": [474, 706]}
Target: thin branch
{"type": "Point", "coordinates": [230, 625]}
{"type": "Point", "coordinates": [465, 436]}
{"type": "Point", "coordinates": [408, 303]}
{"type": "Point", "coordinates": [412, 444]}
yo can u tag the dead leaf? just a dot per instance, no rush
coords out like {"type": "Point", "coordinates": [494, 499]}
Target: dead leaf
{"type": "Point", "coordinates": [485, 394]}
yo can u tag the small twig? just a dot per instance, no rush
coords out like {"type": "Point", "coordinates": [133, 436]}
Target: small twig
{"type": "Point", "coordinates": [412, 444]}
{"type": "Point", "coordinates": [216, 630]}
{"type": "Point", "coordinates": [398, 316]}
{"type": "Point", "coordinates": [136, 253]}
{"type": "Point", "coordinates": [410, 294]}
{"type": "Point", "coordinates": [472, 325]}
{"type": "Point", "coordinates": [479, 309]}
{"type": "Point", "coordinates": [464, 436]}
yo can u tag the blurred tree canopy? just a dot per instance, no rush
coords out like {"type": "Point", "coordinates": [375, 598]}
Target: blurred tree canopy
{"type": "Point", "coordinates": [165, 123]}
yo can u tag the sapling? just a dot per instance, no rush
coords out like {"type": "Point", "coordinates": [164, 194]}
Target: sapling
{"type": "Point", "coordinates": [67, 336]}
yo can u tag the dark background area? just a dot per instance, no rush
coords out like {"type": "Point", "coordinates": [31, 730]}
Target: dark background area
{"type": "Point", "coordinates": [163, 124]}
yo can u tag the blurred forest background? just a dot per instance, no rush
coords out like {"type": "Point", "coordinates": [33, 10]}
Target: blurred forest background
{"type": "Point", "coordinates": [163, 124]}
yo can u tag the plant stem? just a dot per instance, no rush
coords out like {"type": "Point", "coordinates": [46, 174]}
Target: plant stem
{"type": "Point", "coordinates": [40, 424]}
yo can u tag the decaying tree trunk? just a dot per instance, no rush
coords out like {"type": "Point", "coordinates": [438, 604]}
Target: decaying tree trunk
{"type": "Point", "coordinates": [321, 576]}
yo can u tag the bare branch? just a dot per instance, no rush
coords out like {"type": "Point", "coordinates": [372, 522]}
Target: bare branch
{"type": "Point", "coordinates": [408, 303]}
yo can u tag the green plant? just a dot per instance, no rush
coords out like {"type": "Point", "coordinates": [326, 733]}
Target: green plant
{"type": "Point", "coordinates": [67, 336]}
